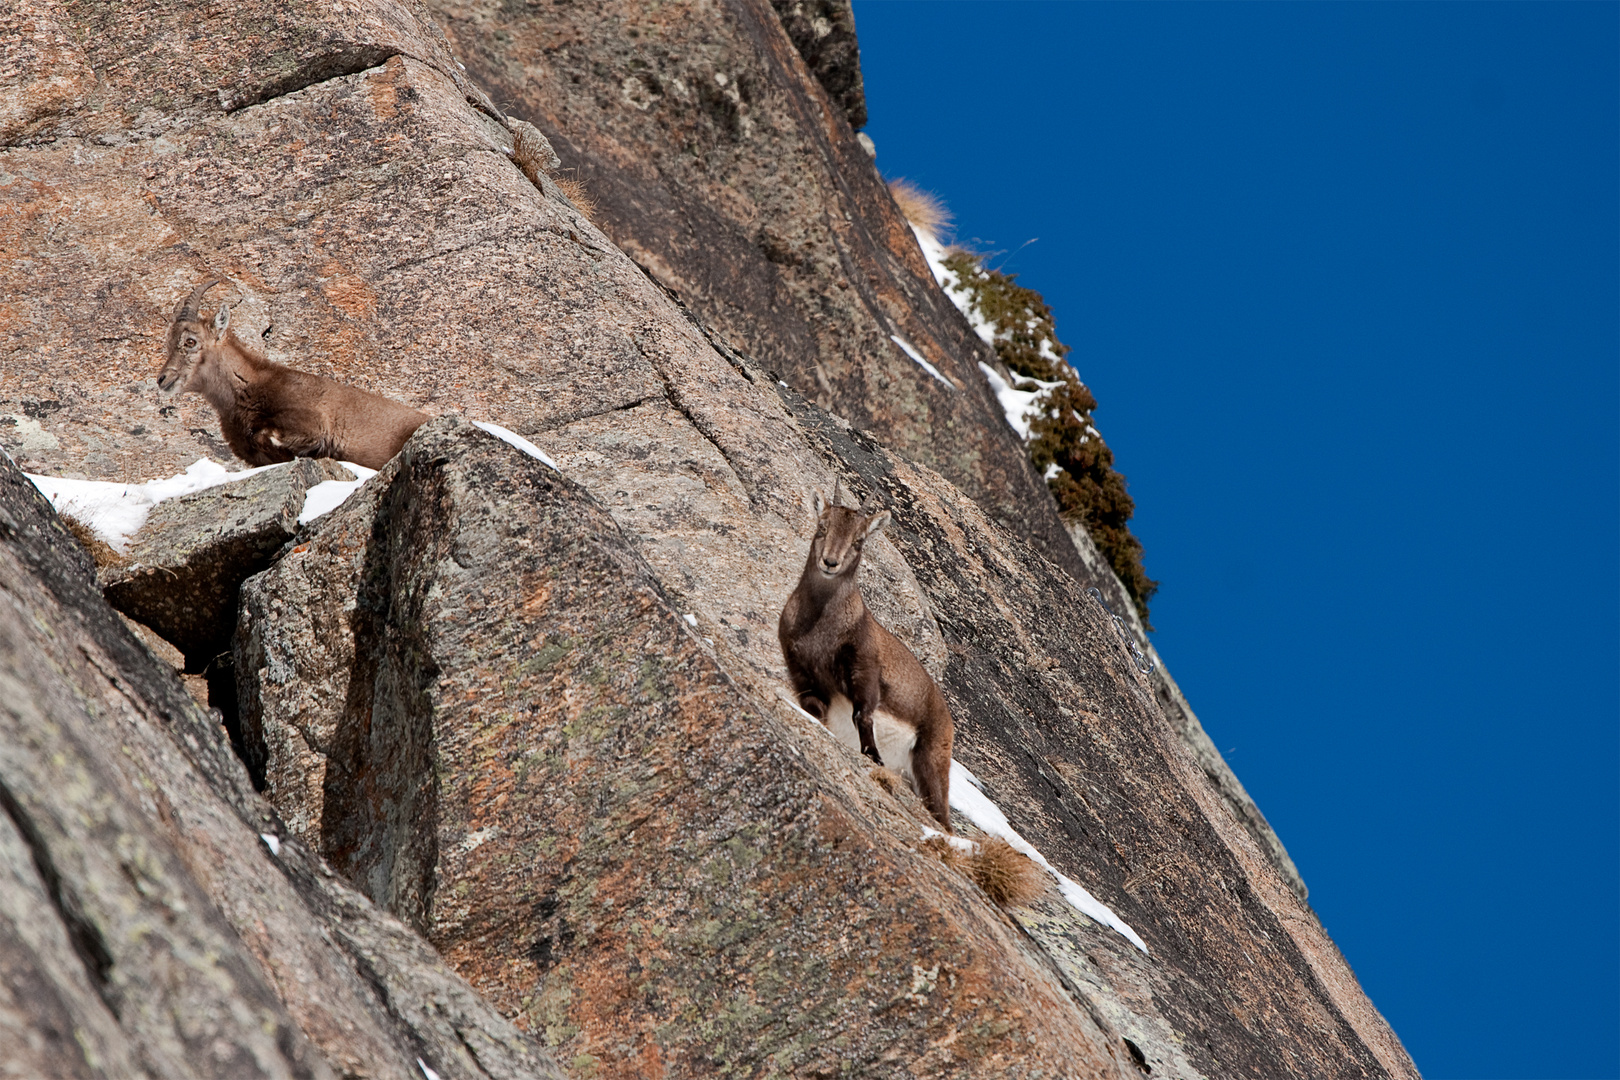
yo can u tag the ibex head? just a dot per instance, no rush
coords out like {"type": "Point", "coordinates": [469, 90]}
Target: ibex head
{"type": "Point", "coordinates": [841, 532]}
{"type": "Point", "coordinates": [188, 335]}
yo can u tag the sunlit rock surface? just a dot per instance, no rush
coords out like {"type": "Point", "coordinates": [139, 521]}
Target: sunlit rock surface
{"type": "Point", "coordinates": [701, 877]}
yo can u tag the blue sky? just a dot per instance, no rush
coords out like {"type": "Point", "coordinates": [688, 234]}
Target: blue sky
{"type": "Point", "coordinates": [1343, 279]}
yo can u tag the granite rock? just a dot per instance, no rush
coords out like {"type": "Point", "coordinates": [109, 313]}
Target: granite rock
{"type": "Point", "coordinates": [152, 920]}
{"type": "Point", "coordinates": [721, 161]}
{"type": "Point", "coordinates": [824, 33]}
{"type": "Point", "coordinates": [542, 766]}
{"type": "Point", "coordinates": [376, 229]}
{"type": "Point", "coordinates": [1179, 712]}
{"type": "Point", "coordinates": [182, 570]}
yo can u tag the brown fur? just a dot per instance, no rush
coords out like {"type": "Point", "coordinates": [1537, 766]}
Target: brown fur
{"type": "Point", "coordinates": [1005, 874]}
{"type": "Point", "coordinates": [271, 413]}
{"type": "Point", "coordinates": [833, 646]}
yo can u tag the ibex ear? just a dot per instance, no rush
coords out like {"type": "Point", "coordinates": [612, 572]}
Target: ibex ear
{"type": "Point", "coordinates": [222, 319]}
{"type": "Point", "coordinates": [879, 520]}
{"type": "Point", "coordinates": [818, 504]}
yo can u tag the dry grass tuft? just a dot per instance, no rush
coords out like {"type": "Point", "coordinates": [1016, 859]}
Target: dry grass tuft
{"type": "Point", "coordinates": [941, 848]}
{"type": "Point", "coordinates": [922, 208]}
{"type": "Point", "coordinates": [99, 549]}
{"type": "Point", "coordinates": [887, 779]}
{"type": "Point", "coordinates": [1007, 876]}
{"type": "Point", "coordinates": [574, 188]}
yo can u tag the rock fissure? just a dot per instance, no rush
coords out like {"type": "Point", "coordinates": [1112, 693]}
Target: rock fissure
{"type": "Point", "coordinates": [673, 395]}
{"type": "Point", "coordinates": [82, 932]}
{"type": "Point", "coordinates": [324, 69]}
{"type": "Point", "coordinates": [440, 255]}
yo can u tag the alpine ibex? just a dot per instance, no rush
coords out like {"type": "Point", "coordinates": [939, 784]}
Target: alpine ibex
{"type": "Point", "coordinates": [852, 674]}
{"type": "Point", "coordinates": [269, 412]}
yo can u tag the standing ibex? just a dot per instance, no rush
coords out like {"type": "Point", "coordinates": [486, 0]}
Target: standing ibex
{"type": "Point", "coordinates": [852, 674]}
{"type": "Point", "coordinates": [269, 412]}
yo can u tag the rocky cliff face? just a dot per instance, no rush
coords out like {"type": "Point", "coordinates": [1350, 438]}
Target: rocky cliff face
{"type": "Point", "coordinates": [153, 922]}
{"type": "Point", "coordinates": [536, 713]}
{"type": "Point", "coordinates": [721, 154]}
{"type": "Point", "coordinates": [542, 765]}
{"type": "Point", "coordinates": [720, 163]}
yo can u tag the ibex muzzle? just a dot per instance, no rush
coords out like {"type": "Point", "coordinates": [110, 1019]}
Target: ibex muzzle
{"type": "Point", "coordinates": [269, 412]}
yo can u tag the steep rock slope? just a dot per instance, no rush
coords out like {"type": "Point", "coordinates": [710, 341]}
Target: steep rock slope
{"type": "Point", "coordinates": [377, 231]}
{"type": "Point", "coordinates": [718, 162]}
{"type": "Point", "coordinates": [717, 145]}
{"type": "Point", "coordinates": [146, 926]}
{"type": "Point", "coordinates": [544, 767]}
{"type": "Point", "coordinates": [1017, 323]}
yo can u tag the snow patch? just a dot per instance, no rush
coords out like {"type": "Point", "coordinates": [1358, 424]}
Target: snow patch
{"type": "Point", "coordinates": [911, 351]}
{"type": "Point", "coordinates": [960, 843]}
{"type": "Point", "coordinates": [935, 253]}
{"type": "Point", "coordinates": [328, 495]}
{"type": "Point", "coordinates": [1020, 406]}
{"type": "Point", "coordinates": [1016, 404]}
{"type": "Point", "coordinates": [968, 798]}
{"type": "Point", "coordinates": [115, 512]}
{"type": "Point", "coordinates": [272, 842]}
{"type": "Point", "coordinates": [514, 439]}
{"type": "Point", "coordinates": [427, 1072]}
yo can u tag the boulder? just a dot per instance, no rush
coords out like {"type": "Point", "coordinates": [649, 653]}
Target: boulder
{"type": "Point", "coordinates": [153, 922]}
{"type": "Point", "coordinates": [182, 570]}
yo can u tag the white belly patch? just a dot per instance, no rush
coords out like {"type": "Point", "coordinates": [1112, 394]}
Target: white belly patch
{"type": "Point", "coordinates": [894, 737]}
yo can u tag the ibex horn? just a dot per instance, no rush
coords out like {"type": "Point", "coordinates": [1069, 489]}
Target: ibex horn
{"type": "Point", "coordinates": [836, 481]}
{"type": "Point", "coordinates": [188, 307]}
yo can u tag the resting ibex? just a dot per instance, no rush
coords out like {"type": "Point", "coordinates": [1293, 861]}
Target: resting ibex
{"type": "Point", "coordinates": [269, 412]}
{"type": "Point", "coordinates": [852, 674]}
